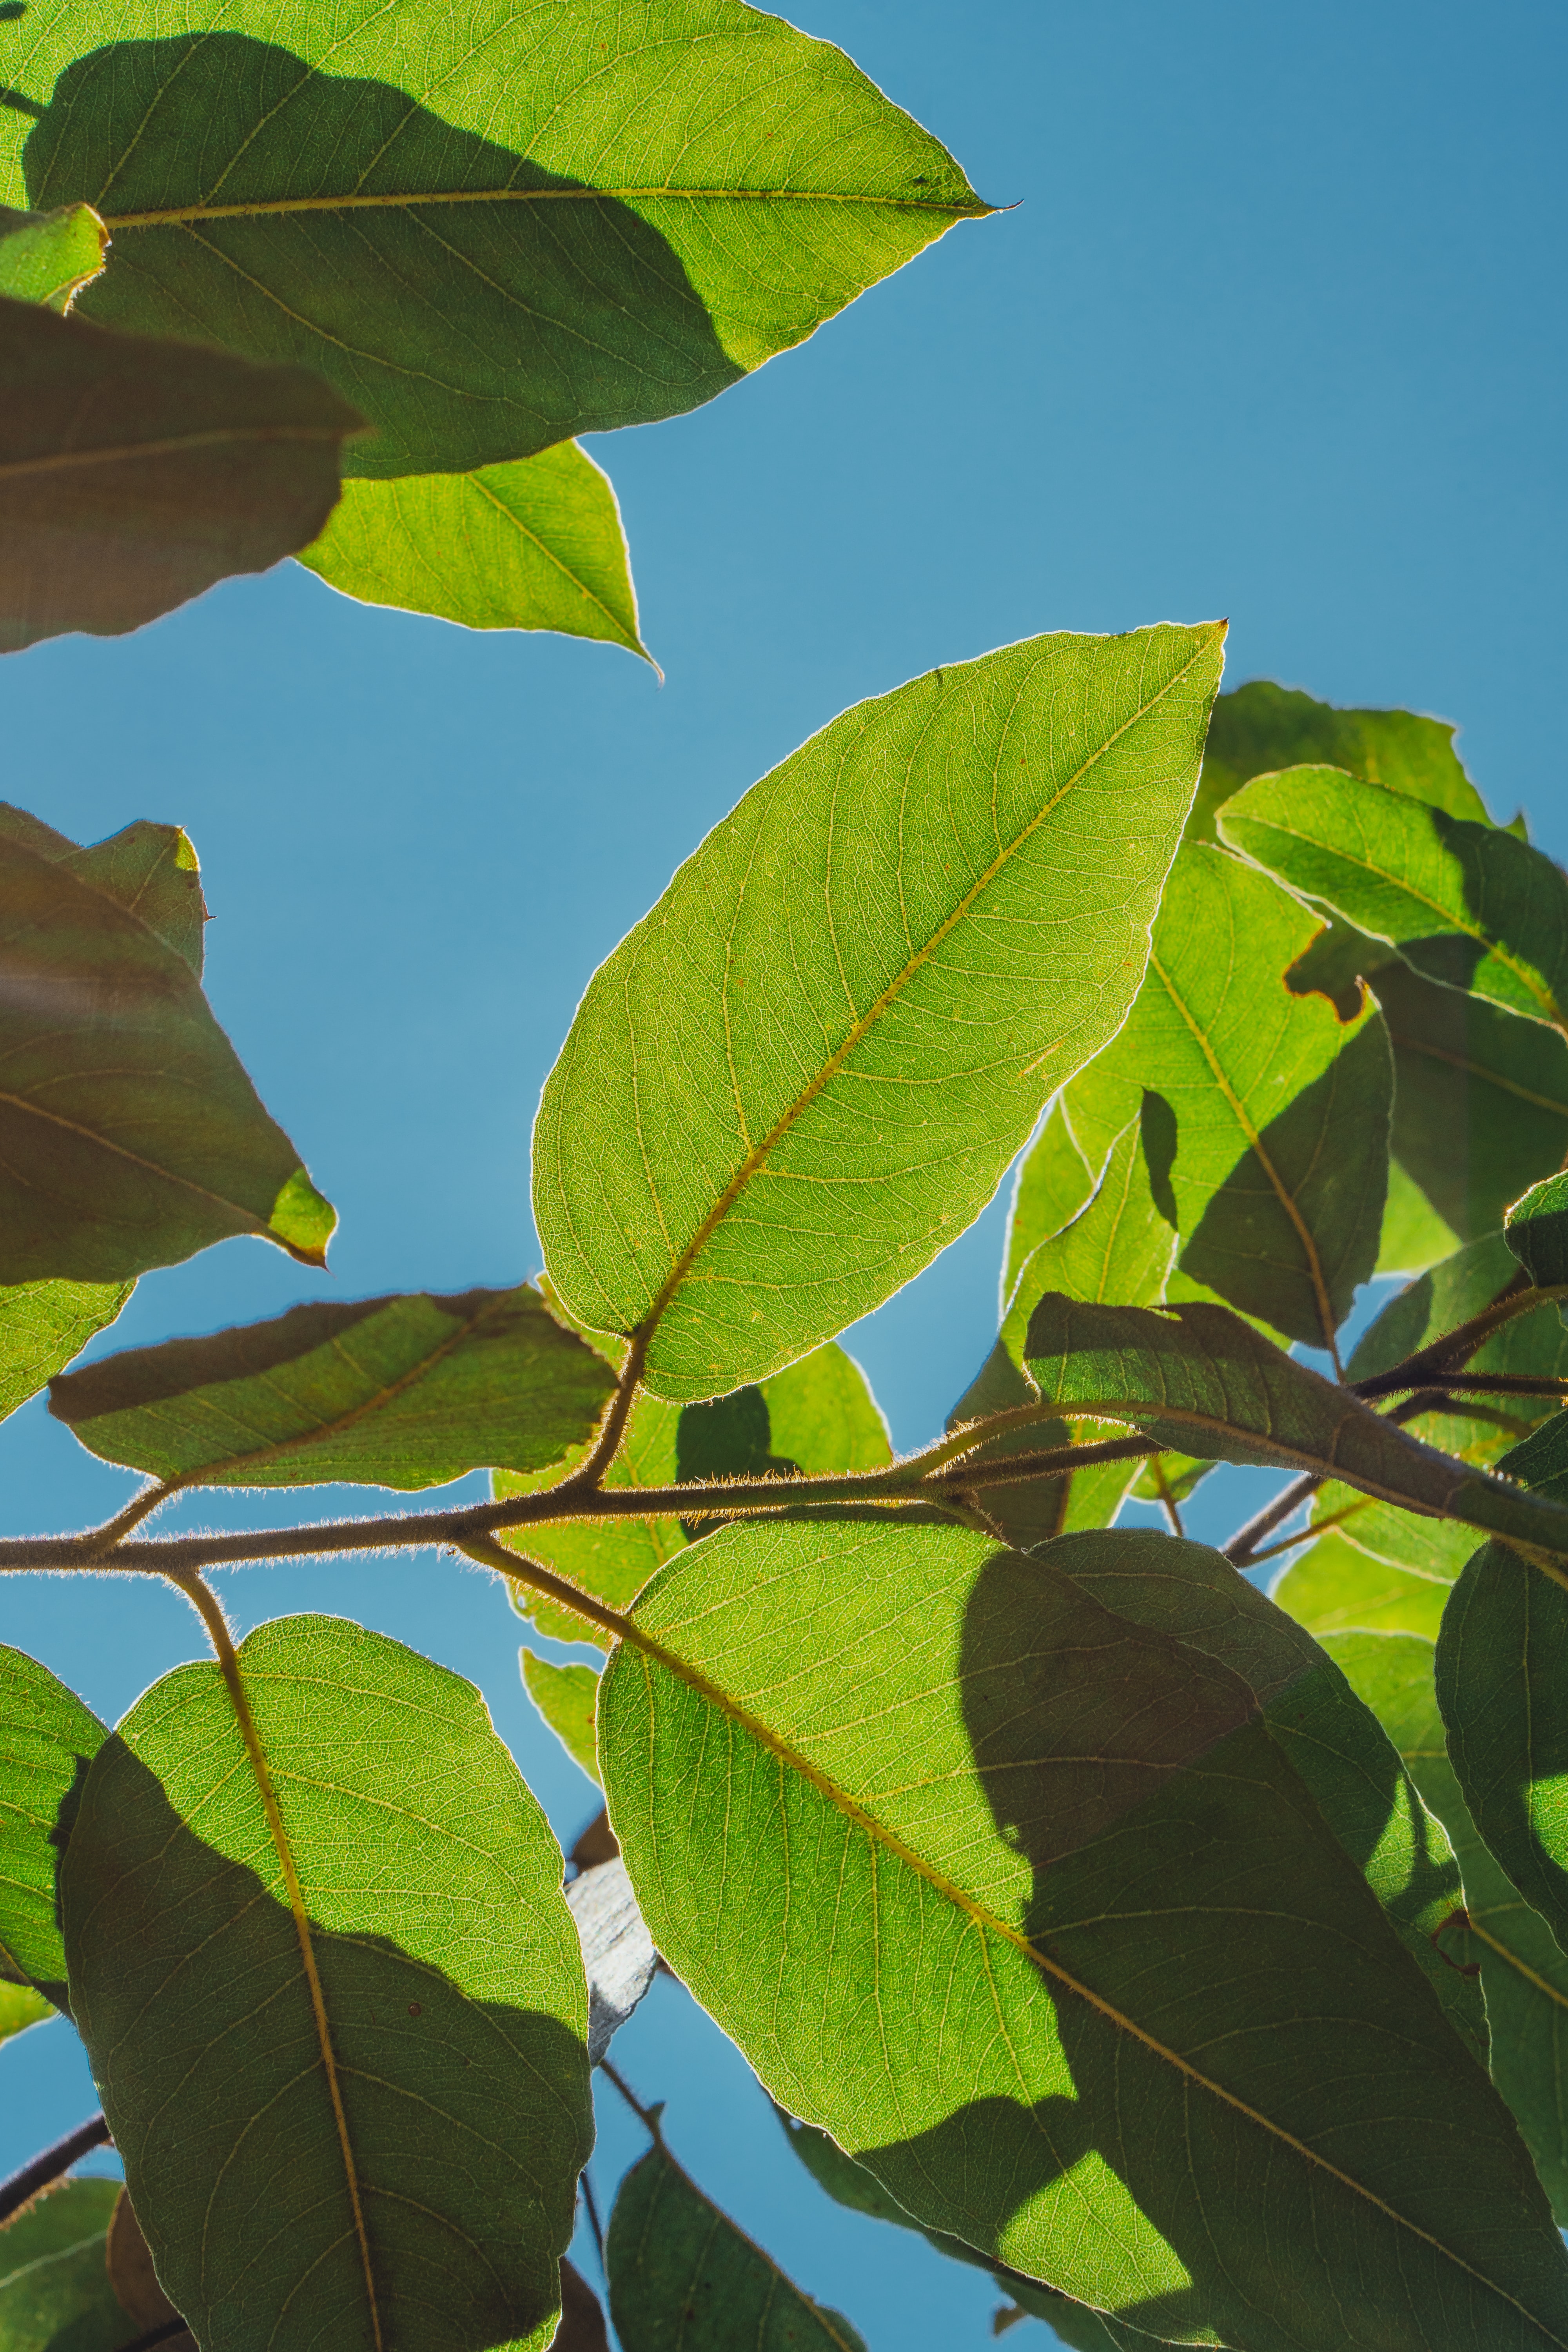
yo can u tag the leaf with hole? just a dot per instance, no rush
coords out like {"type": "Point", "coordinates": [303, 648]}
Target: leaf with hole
{"type": "Point", "coordinates": [489, 231]}
{"type": "Point", "coordinates": [1197, 1376]}
{"type": "Point", "coordinates": [48, 257]}
{"type": "Point", "coordinates": [1002, 1883]}
{"type": "Point", "coordinates": [1265, 1116]}
{"type": "Point", "coordinates": [1522, 1971]}
{"type": "Point", "coordinates": [1469, 905]}
{"type": "Point", "coordinates": [683, 2278]}
{"type": "Point", "coordinates": [48, 1740]}
{"type": "Point", "coordinates": [347, 1998]}
{"type": "Point", "coordinates": [135, 472]}
{"type": "Point", "coordinates": [404, 1392]}
{"type": "Point", "coordinates": [534, 545]}
{"type": "Point", "coordinates": [806, 1071]}
{"type": "Point", "coordinates": [55, 2294]}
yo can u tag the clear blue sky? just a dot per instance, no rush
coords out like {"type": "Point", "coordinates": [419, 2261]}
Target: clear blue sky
{"type": "Point", "coordinates": [1276, 331]}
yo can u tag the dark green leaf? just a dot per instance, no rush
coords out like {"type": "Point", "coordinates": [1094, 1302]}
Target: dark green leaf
{"type": "Point", "coordinates": [135, 472]}
{"type": "Point", "coordinates": [388, 1392]}
{"type": "Point", "coordinates": [1466, 904]}
{"type": "Point", "coordinates": [1436, 1302]}
{"type": "Point", "coordinates": [1333, 1739]}
{"type": "Point", "coordinates": [490, 231]}
{"type": "Point", "coordinates": [806, 1071]}
{"type": "Point", "coordinates": [1522, 1972]}
{"type": "Point", "coordinates": [48, 1740]}
{"type": "Point", "coordinates": [534, 545]}
{"type": "Point", "coordinates": [55, 2294]}
{"type": "Point", "coordinates": [48, 257]}
{"type": "Point", "coordinates": [411, 2131]}
{"type": "Point", "coordinates": [1197, 1376]}
{"type": "Point", "coordinates": [683, 2278]}
{"type": "Point", "coordinates": [1481, 1105]}
{"type": "Point", "coordinates": [1268, 1143]}
{"type": "Point", "coordinates": [566, 1697]}
{"type": "Point", "coordinates": [1261, 727]}
{"type": "Point", "coordinates": [971, 1899]}
{"type": "Point", "coordinates": [150, 870]}
{"type": "Point", "coordinates": [1537, 1231]}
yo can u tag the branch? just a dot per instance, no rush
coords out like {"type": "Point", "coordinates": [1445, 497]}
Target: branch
{"type": "Point", "coordinates": [1525, 1384]}
{"type": "Point", "coordinates": [54, 2163]}
{"type": "Point", "coordinates": [906, 1482]}
{"type": "Point", "coordinates": [1457, 1347]}
{"type": "Point", "coordinates": [1239, 1549]}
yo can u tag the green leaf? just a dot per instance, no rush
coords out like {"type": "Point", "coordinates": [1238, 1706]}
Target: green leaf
{"type": "Point", "coordinates": [1413, 1236]}
{"type": "Point", "coordinates": [1268, 1143]}
{"type": "Point", "coordinates": [55, 2294]}
{"type": "Point", "coordinates": [1481, 1103]}
{"type": "Point", "coordinates": [1536, 1231]}
{"type": "Point", "coordinates": [357, 2011]}
{"type": "Point", "coordinates": [534, 545]}
{"type": "Point", "coordinates": [20, 2007]}
{"type": "Point", "coordinates": [130, 1136]}
{"type": "Point", "coordinates": [135, 472]}
{"type": "Point", "coordinates": [1466, 904]}
{"type": "Point", "coordinates": [1119, 1247]}
{"type": "Point", "coordinates": [1333, 1587]}
{"type": "Point", "coordinates": [1522, 1973]}
{"type": "Point", "coordinates": [48, 257]}
{"type": "Point", "coordinates": [683, 2278]}
{"type": "Point", "coordinates": [388, 1392]}
{"type": "Point", "coordinates": [43, 1325]}
{"type": "Point", "coordinates": [806, 1071]}
{"type": "Point", "coordinates": [972, 1903]}
{"type": "Point", "coordinates": [823, 1417]}
{"type": "Point", "coordinates": [150, 870]}
{"type": "Point", "coordinates": [1436, 1302]}
{"type": "Point", "coordinates": [1198, 1375]}
{"type": "Point", "coordinates": [566, 1697]}
{"type": "Point", "coordinates": [1260, 727]}
{"type": "Point", "coordinates": [1052, 1184]}
{"type": "Point", "coordinates": [48, 1740]}
{"type": "Point", "coordinates": [1334, 1740]}
{"type": "Point", "coordinates": [490, 231]}
{"type": "Point", "coordinates": [1502, 1686]}
{"type": "Point", "coordinates": [849, 2184]}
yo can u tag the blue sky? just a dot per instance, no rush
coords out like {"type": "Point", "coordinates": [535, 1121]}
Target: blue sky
{"type": "Point", "coordinates": [1275, 330]}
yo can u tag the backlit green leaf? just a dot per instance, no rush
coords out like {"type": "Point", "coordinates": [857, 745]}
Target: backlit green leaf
{"type": "Point", "coordinates": [566, 1697]}
{"type": "Point", "coordinates": [150, 870]}
{"type": "Point", "coordinates": [49, 257]}
{"type": "Point", "coordinates": [44, 1324]}
{"type": "Point", "coordinates": [1260, 727]}
{"type": "Point", "coordinates": [491, 231]}
{"type": "Point", "coordinates": [963, 1862]}
{"type": "Point", "coordinates": [48, 1740]}
{"type": "Point", "coordinates": [1334, 1588]}
{"type": "Point", "coordinates": [130, 1136]}
{"type": "Point", "coordinates": [1197, 1376]}
{"type": "Point", "coordinates": [20, 2007]}
{"type": "Point", "coordinates": [683, 2278]}
{"type": "Point", "coordinates": [1481, 1105]}
{"type": "Point", "coordinates": [1052, 1184]}
{"type": "Point", "coordinates": [1413, 1236]}
{"type": "Point", "coordinates": [1536, 1231]}
{"type": "Point", "coordinates": [388, 1392]}
{"type": "Point", "coordinates": [1466, 904]}
{"type": "Point", "coordinates": [55, 2294]}
{"type": "Point", "coordinates": [1522, 1972]}
{"type": "Point", "coordinates": [134, 472]}
{"type": "Point", "coordinates": [1269, 1141]}
{"type": "Point", "coordinates": [534, 545]}
{"type": "Point", "coordinates": [356, 2113]}
{"type": "Point", "coordinates": [804, 1072]}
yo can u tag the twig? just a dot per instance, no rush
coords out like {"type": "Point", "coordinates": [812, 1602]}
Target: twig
{"type": "Point", "coordinates": [591, 2203]}
{"type": "Point", "coordinates": [1482, 1383]}
{"type": "Point", "coordinates": [1166, 1500]}
{"type": "Point", "coordinates": [1239, 1549]}
{"type": "Point", "coordinates": [645, 2115]}
{"type": "Point", "coordinates": [1457, 1347]}
{"type": "Point", "coordinates": [52, 2165]}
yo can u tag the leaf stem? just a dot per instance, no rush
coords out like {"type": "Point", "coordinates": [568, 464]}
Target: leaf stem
{"type": "Point", "coordinates": [140, 1506]}
{"type": "Point", "coordinates": [645, 2115]}
{"type": "Point", "coordinates": [1457, 1347]}
{"type": "Point", "coordinates": [1239, 1549]}
{"type": "Point", "coordinates": [51, 2165]}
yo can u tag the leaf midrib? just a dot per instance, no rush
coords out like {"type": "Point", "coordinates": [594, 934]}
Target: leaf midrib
{"type": "Point", "coordinates": [650, 1648]}
{"type": "Point", "coordinates": [268, 208]}
{"type": "Point", "coordinates": [123, 1152]}
{"type": "Point", "coordinates": [757, 1157]}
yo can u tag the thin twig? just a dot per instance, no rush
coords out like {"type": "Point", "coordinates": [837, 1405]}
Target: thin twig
{"type": "Point", "coordinates": [157, 1491]}
{"type": "Point", "coordinates": [645, 2115]}
{"type": "Point", "coordinates": [1457, 1347]}
{"type": "Point", "coordinates": [589, 1471]}
{"type": "Point", "coordinates": [1238, 1550]}
{"type": "Point", "coordinates": [52, 2165]}
{"type": "Point", "coordinates": [1166, 1500]}
{"type": "Point", "coordinates": [591, 2205]}
{"type": "Point", "coordinates": [1480, 1383]}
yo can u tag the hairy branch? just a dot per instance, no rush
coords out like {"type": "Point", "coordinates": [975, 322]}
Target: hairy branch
{"type": "Point", "coordinates": [43, 2170]}
{"type": "Point", "coordinates": [1457, 1347]}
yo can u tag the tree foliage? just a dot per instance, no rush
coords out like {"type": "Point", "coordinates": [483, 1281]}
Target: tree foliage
{"type": "Point", "coordinates": [1191, 1959]}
